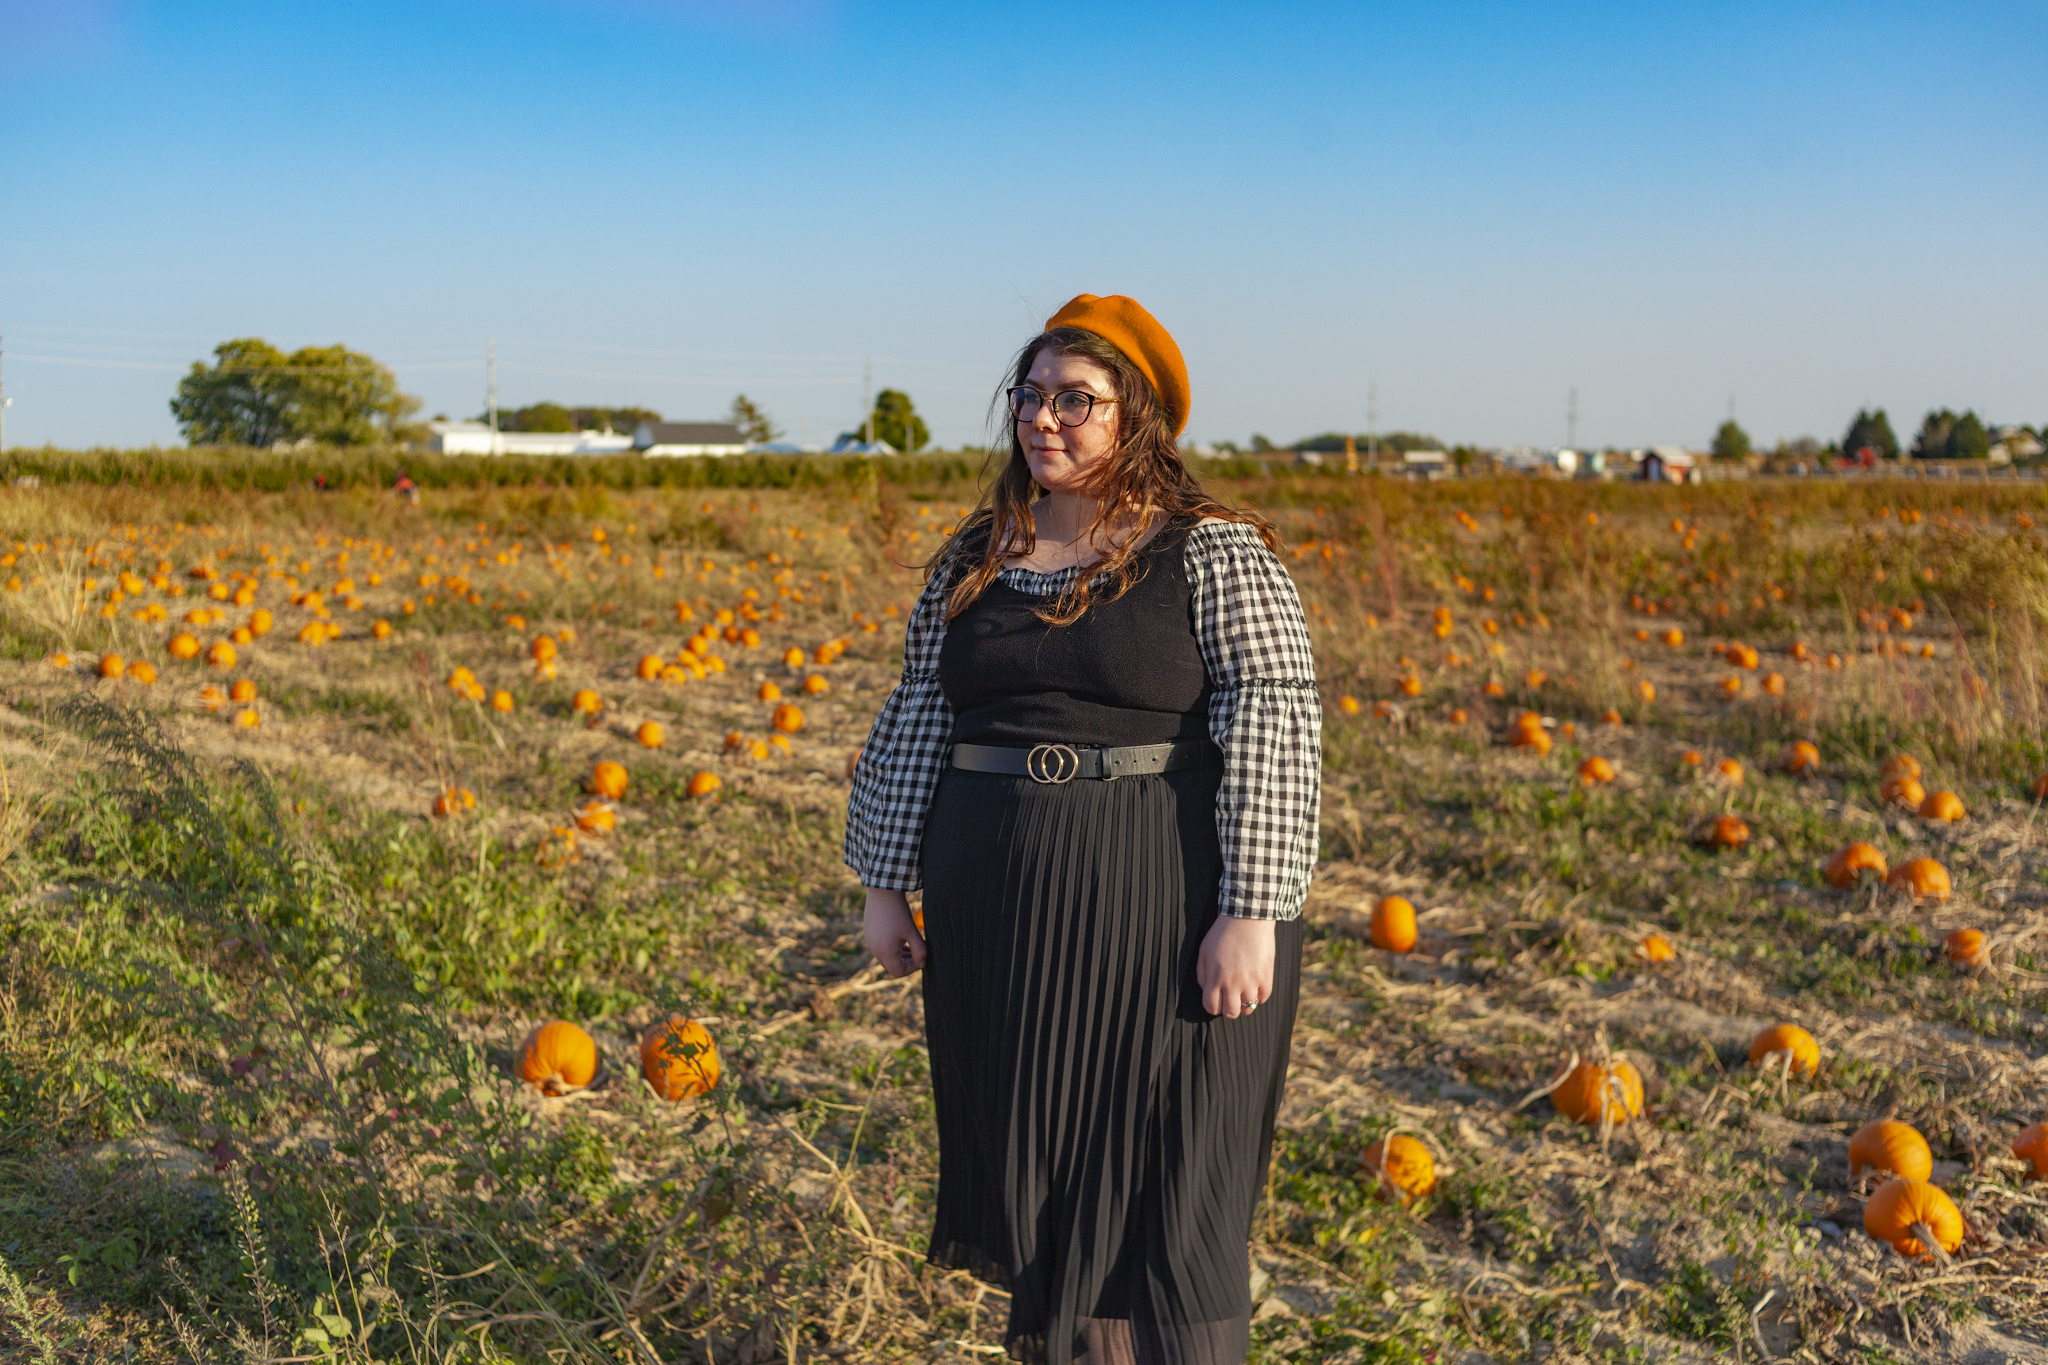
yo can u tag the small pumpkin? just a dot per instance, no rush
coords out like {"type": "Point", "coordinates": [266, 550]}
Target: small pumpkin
{"type": "Point", "coordinates": [1593, 1092]}
{"type": "Point", "coordinates": [608, 780]}
{"type": "Point", "coordinates": [769, 692]}
{"type": "Point", "coordinates": [650, 734]}
{"type": "Point", "coordinates": [789, 718]}
{"type": "Point", "coordinates": [1901, 765]}
{"type": "Point", "coordinates": [816, 685]}
{"type": "Point", "coordinates": [543, 647]}
{"type": "Point", "coordinates": [1903, 790]}
{"type": "Point", "coordinates": [1657, 948]}
{"type": "Point", "coordinates": [501, 701]}
{"type": "Point", "coordinates": [705, 783]}
{"type": "Point", "coordinates": [595, 817]}
{"type": "Point", "coordinates": [1401, 1164]}
{"type": "Point", "coordinates": [1786, 1040]}
{"type": "Point", "coordinates": [650, 667]}
{"type": "Point", "coordinates": [1909, 1213]}
{"type": "Point", "coordinates": [1730, 831]}
{"type": "Point", "coordinates": [1691, 758]}
{"type": "Point", "coordinates": [793, 657]}
{"type": "Point", "coordinates": [112, 665]}
{"type": "Point", "coordinates": [184, 645]}
{"type": "Point", "coordinates": [243, 689]}
{"type": "Point", "coordinates": [1802, 756]}
{"type": "Point", "coordinates": [586, 702]}
{"type": "Point", "coordinates": [142, 671]}
{"type": "Point", "coordinates": [1965, 948]}
{"type": "Point", "coordinates": [1922, 877]}
{"type": "Point", "coordinates": [1890, 1146]}
{"type": "Point", "coordinates": [380, 629]}
{"type": "Point", "coordinates": [558, 1057]}
{"type": "Point", "coordinates": [220, 654]}
{"type": "Point", "coordinates": [247, 719]}
{"type": "Point", "coordinates": [1596, 770]}
{"type": "Point", "coordinates": [678, 1058]}
{"type": "Point", "coordinates": [1847, 867]}
{"type": "Point", "coordinates": [2032, 1146]}
{"type": "Point", "coordinates": [1674, 637]}
{"type": "Point", "coordinates": [1730, 770]}
{"type": "Point", "coordinates": [1393, 925]}
{"type": "Point", "coordinates": [1945, 806]}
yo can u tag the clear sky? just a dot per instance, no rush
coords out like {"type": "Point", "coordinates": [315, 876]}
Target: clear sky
{"type": "Point", "coordinates": [1476, 207]}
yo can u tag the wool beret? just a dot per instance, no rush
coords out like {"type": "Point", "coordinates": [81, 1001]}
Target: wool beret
{"type": "Point", "coordinates": [1125, 325]}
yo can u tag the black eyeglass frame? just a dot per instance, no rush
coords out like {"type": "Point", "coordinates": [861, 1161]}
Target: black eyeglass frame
{"type": "Point", "coordinates": [1054, 400]}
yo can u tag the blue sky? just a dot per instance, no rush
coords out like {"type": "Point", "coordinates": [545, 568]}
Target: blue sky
{"type": "Point", "coordinates": [1474, 207]}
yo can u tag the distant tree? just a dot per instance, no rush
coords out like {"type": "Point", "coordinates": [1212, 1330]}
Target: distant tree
{"type": "Point", "coordinates": [754, 423]}
{"type": "Point", "coordinates": [896, 421]}
{"type": "Point", "coordinates": [556, 417]}
{"type": "Point", "coordinates": [255, 395]}
{"type": "Point", "coordinates": [1933, 440]}
{"type": "Point", "coordinates": [1260, 445]}
{"type": "Point", "coordinates": [1968, 440]}
{"type": "Point", "coordinates": [1228, 448]}
{"type": "Point", "coordinates": [1329, 442]}
{"type": "Point", "coordinates": [538, 417]}
{"type": "Point", "coordinates": [1731, 442]}
{"type": "Point", "coordinates": [1871, 430]}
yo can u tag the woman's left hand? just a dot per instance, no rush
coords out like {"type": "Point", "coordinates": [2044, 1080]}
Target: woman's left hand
{"type": "Point", "coordinates": [1235, 967]}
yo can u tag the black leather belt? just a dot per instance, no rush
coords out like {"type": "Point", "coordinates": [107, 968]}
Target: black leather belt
{"type": "Point", "coordinates": [1056, 763]}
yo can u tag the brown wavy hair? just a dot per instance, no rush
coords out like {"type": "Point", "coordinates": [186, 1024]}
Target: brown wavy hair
{"type": "Point", "coordinates": [1142, 480]}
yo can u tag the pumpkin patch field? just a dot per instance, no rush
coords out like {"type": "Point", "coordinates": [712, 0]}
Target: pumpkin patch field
{"type": "Point", "coordinates": [426, 938]}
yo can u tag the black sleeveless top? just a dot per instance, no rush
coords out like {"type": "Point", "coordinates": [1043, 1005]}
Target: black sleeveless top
{"type": "Point", "coordinates": [1128, 672]}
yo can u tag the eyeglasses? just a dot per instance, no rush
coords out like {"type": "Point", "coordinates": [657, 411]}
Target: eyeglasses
{"type": "Point", "coordinates": [1071, 407]}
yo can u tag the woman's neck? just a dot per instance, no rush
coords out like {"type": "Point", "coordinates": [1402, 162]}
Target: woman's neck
{"type": "Point", "coordinates": [1062, 518]}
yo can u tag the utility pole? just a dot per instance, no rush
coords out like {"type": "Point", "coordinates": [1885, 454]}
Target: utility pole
{"type": "Point", "coordinates": [1571, 420]}
{"type": "Point", "coordinates": [1372, 423]}
{"type": "Point", "coordinates": [867, 395]}
{"type": "Point", "coordinates": [491, 387]}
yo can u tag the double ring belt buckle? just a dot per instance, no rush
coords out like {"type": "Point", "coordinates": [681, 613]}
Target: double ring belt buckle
{"type": "Point", "coordinates": [1052, 763]}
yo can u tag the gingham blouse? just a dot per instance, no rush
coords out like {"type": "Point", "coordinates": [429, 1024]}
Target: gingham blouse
{"type": "Point", "coordinates": [1264, 713]}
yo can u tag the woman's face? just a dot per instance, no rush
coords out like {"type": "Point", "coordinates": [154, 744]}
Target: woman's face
{"type": "Point", "coordinates": [1061, 458]}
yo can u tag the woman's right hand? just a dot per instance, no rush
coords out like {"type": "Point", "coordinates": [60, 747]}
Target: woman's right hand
{"type": "Point", "coordinates": [890, 932]}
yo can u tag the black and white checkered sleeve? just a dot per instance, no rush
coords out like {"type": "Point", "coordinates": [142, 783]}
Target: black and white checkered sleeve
{"type": "Point", "coordinates": [900, 764]}
{"type": "Point", "coordinates": [1265, 713]}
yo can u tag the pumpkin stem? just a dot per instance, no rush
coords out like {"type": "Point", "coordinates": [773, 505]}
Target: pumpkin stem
{"type": "Point", "coordinates": [1932, 1244]}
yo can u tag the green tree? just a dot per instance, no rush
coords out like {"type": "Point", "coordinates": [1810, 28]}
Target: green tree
{"type": "Point", "coordinates": [897, 422]}
{"type": "Point", "coordinates": [754, 423]}
{"type": "Point", "coordinates": [1731, 442]}
{"type": "Point", "coordinates": [538, 417]}
{"type": "Point", "coordinates": [1933, 440]}
{"type": "Point", "coordinates": [255, 395]}
{"type": "Point", "coordinates": [1968, 440]}
{"type": "Point", "coordinates": [239, 400]}
{"type": "Point", "coordinates": [1871, 430]}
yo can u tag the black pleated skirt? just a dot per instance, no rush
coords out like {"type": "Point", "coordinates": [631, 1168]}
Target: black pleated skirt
{"type": "Point", "coordinates": [1102, 1140]}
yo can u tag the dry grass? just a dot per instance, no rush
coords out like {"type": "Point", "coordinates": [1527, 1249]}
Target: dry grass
{"type": "Point", "coordinates": [195, 980]}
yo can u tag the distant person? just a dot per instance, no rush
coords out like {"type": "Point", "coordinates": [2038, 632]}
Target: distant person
{"type": "Point", "coordinates": [1103, 767]}
{"type": "Point", "coordinates": [406, 488]}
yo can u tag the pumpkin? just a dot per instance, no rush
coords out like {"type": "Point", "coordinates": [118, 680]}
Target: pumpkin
{"type": "Point", "coordinates": [1965, 947]}
{"type": "Point", "coordinates": [1922, 877]}
{"type": "Point", "coordinates": [1647, 690]}
{"type": "Point", "coordinates": [650, 734]}
{"type": "Point", "coordinates": [1535, 678]}
{"type": "Point", "coordinates": [1674, 637]}
{"type": "Point", "coordinates": [1789, 1040]}
{"type": "Point", "coordinates": [1393, 924]}
{"type": "Point", "coordinates": [380, 629]}
{"type": "Point", "coordinates": [142, 671]}
{"type": "Point", "coordinates": [543, 647]}
{"type": "Point", "coordinates": [2032, 1146]}
{"type": "Point", "coordinates": [1909, 1213]}
{"type": "Point", "coordinates": [1657, 948]}
{"type": "Point", "coordinates": [704, 784]}
{"type": "Point", "coordinates": [244, 689]}
{"type": "Point", "coordinates": [1890, 1146]}
{"type": "Point", "coordinates": [1731, 686]}
{"type": "Point", "coordinates": [1495, 688]}
{"type": "Point", "coordinates": [1401, 1164]}
{"type": "Point", "coordinates": [1903, 790]}
{"type": "Point", "coordinates": [1801, 652]}
{"type": "Point", "coordinates": [1901, 765]}
{"type": "Point", "coordinates": [793, 657]}
{"type": "Point", "coordinates": [1744, 656]}
{"type": "Point", "coordinates": [1847, 867]}
{"type": "Point", "coordinates": [1774, 684]}
{"type": "Point", "coordinates": [1801, 756]}
{"type": "Point", "coordinates": [461, 680]}
{"type": "Point", "coordinates": [247, 719]}
{"type": "Point", "coordinates": [789, 718]}
{"type": "Point", "coordinates": [1691, 758]}
{"type": "Point", "coordinates": [112, 665]}
{"type": "Point", "coordinates": [769, 692]}
{"type": "Point", "coordinates": [558, 1057]}
{"type": "Point", "coordinates": [260, 622]}
{"type": "Point", "coordinates": [586, 702]}
{"type": "Point", "coordinates": [220, 654]}
{"type": "Point", "coordinates": [501, 700]}
{"type": "Point", "coordinates": [1730, 769]}
{"type": "Point", "coordinates": [608, 779]}
{"type": "Point", "coordinates": [1595, 1093]}
{"type": "Point", "coordinates": [595, 817]}
{"type": "Point", "coordinates": [650, 667]}
{"type": "Point", "coordinates": [1730, 831]}
{"type": "Point", "coordinates": [1596, 769]}
{"type": "Point", "coordinates": [183, 645]}
{"type": "Point", "coordinates": [1942, 805]}
{"type": "Point", "coordinates": [678, 1058]}
{"type": "Point", "coordinates": [212, 697]}
{"type": "Point", "coordinates": [1458, 716]}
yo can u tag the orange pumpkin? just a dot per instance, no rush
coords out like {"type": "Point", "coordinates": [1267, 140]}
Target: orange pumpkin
{"type": "Point", "coordinates": [1593, 1093]}
{"type": "Point", "coordinates": [769, 692]}
{"type": "Point", "coordinates": [704, 784]}
{"type": "Point", "coordinates": [1730, 831]}
{"type": "Point", "coordinates": [543, 647]}
{"type": "Point", "coordinates": [650, 734]}
{"type": "Point", "coordinates": [183, 646]}
{"type": "Point", "coordinates": [243, 689]}
{"type": "Point", "coordinates": [650, 667]}
{"type": "Point", "coordinates": [608, 779]}
{"type": "Point", "coordinates": [1903, 790]}
{"type": "Point", "coordinates": [1802, 756]}
{"type": "Point", "coordinates": [586, 702]}
{"type": "Point", "coordinates": [247, 719]}
{"type": "Point", "coordinates": [142, 671]}
{"type": "Point", "coordinates": [1942, 805]}
{"type": "Point", "coordinates": [558, 1057]}
{"type": "Point", "coordinates": [1966, 947]}
{"type": "Point", "coordinates": [501, 701]}
{"type": "Point", "coordinates": [1922, 877]}
{"type": "Point", "coordinates": [1393, 925]}
{"type": "Point", "coordinates": [221, 654]}
{"type": "Point", "coordinates": [1596, 770]}
{"type": "Point", "coordinates": [789, 718]}
{"type": "Point", "coordinates": [1657, 948]}
{"type": "Point", "coordinates": [112, 665]}
{"type": "Point", "coordinates": [678, 1058]}
{"type": "Point", "coordinates": [1691, 758]}
{"type": "Point", "coordinates": [1901, 765]}
{"type": "Point", "coordinates": [594, 817]}
{"type": "Point", "coordinates": [1731, 769]}
{"type": "Point", "coordinates": [793, 658]}
{"type": "Point", "coordinates": [1401, 1165]}
{"type": "Point", "coordinates": [1890, 1146]}
{"type": "Point", "coordinates": [2032, 1145]}
{"type": "Point", "coordinates": [816, 685]}
{"type": "Point", "coordinates": [1904, 1211]}
{"type": "Point", "coordinates": [380, 629]}
{"type": "Point", "coordinates": [1786, 1040]}
{"type": "Point", "coordinates": [1847, 867]}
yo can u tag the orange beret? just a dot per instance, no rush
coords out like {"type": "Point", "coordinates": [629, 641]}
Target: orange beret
{"type": "Point", "coordinates": [1125, 325]}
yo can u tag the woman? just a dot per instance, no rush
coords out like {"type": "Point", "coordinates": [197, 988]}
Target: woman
{"type": "Point", "coordinates": [1102, 766]}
